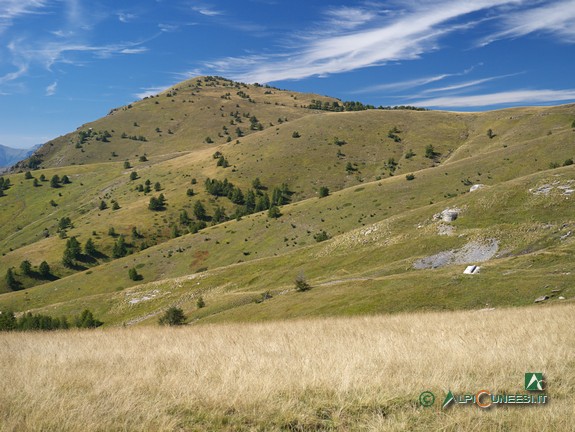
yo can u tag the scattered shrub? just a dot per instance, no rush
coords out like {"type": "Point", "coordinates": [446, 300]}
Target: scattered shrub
{"type": "Point", "coordinates": [301, 284]}
{"type": "Point", "coordinates": [173, 317]}
{"type": "Point", "coordinates": [321, 236]}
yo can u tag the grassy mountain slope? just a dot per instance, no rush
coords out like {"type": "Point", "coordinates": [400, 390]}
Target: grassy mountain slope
{"type": "Point", "coordinates": [380, 222]}
{"type": "Point", "coordinates": [178, 120]}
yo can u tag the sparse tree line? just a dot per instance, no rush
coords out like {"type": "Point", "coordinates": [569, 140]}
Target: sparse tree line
{"type": "Point", "coordinates": [55, 182]}
{"type": "Point", "coordinates": [85, 135]}
{"type": "Point", "coordinates": [133, 137]}
{"type": "Point", "coordinates": [254, 200]}
{"type": "Point", "coordinates": [40, 322]}
{"type": "Point", "coordinates": [74, 257]}
{"type": "Point", "coordinates": [355, 106]}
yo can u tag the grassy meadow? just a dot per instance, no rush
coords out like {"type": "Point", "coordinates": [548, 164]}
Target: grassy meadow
{"type": "Point", "coordinates": [337, 374]}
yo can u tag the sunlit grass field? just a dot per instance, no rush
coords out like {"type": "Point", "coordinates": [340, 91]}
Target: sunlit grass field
{"type": "Point", "coordinates": [338, 374]}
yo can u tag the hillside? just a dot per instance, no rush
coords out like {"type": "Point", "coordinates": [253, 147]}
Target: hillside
{"type": "Point", "coordinates": [374, 244]}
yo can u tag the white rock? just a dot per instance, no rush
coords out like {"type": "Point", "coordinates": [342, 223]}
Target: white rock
{"type": "Point", "coordinates": [449, 215]}
{"type": "Point", "coordinates": [475, 187]}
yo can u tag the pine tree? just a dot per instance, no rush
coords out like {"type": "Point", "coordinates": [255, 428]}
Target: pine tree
{"type": "Point", "coordinates": [173, 316]}
{"type": "Point", "coordinates": [219, 215]}
{"type": "Point", "coordinates": [199, 211]}
{"type": "Point", "coordinates": [86, 320]}
{"type": "Point", "coordinates": [73, 245]}
{"type": "Point", "coordinates": [250, 201]}
{"type": "Point", "coordinates": [237, 196]}
{"type": "Point", "coordinates": [11, 280]}
{"type": "Point", "coordinates": [263, 203]}
{"type": "Point", "coordinates": [120, 249]}
{"type": "Point", "coordinates": [90, 248]}
{"type": "Point", "coordinates": [26, 267]}
{"type": "Point", "coordinates": [133, 274]}
{"type": "Point", "coordinates": [7, 321]}
{"type": "Point", "coordinates": [274, 212]}
{"type": "Point", "coordinates": [55, 181]}
{"type": "Point", "coordinates": [257, 184]}
{"type": "Point", "coordinates": [184, 218]}
{"type": "Point", "coordinates": [44, 269]}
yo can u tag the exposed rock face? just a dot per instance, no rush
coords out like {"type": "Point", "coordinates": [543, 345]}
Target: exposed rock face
{"type": "Point", "coordinates": [472, 252]}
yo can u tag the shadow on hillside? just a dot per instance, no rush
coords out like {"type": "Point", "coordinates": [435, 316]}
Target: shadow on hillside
{"type": "Point", "coordinates": [38, 276]}
{"type": "Point", "coordinates": [78, 267]}
{"type": "Point", "coordinates": [99, 255]}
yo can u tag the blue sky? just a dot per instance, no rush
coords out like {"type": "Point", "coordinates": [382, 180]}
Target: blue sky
{"type": "Point", "coordinates": [67, 62]}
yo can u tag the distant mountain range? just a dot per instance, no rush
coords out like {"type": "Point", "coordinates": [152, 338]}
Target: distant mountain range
{"type": "Point", "coordinates": [9, 156]}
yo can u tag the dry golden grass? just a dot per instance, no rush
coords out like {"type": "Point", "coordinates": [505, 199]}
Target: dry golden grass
{"type": "Point", "coordinates": [322, 374]}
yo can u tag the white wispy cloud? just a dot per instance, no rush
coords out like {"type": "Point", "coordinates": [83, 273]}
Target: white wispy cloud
{"type": "Point", "coordinates": [402, 85]}
{"type": "Point", "coordinates": [70, 43]}
{"type": "Point", "coordinates": [21, 69]}
{"type": "Point", "coordinates": [500, 98]}
{"type": "Point", "coordinates": [11, 9]}
{"type": "Point", "coordinates": [413, 83]}
{"type": "Point", "coordinates": [126, 17]}
{"type": "Point", "coordinates": [557, 18]}
{"type": "Point", "coordinates": [207, 11]}
{"type": "Point", "coordinates": [138, 50]}
{"type": "Point", "coordinates": [402, 35]}
{"type": "Point", "coordinates": [51, 89]}
{"type": "Point", "coordinates": [151, 91]}
{"type": "Point", "coordinates": [348, 18]}
{"type": "Point", "coordinates": [467, 84]}
{"type": "Point", "coordinates": [25, 54]}
{"type": "Point", "coordinates": [168, 28]}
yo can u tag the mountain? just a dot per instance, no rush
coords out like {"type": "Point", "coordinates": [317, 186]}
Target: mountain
{"type": "Point", "coordinates": [379, 210]}
{"type": "Point", "coordinates": [9, 156]}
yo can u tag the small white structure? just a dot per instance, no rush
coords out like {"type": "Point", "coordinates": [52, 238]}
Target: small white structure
{"type": "Point", "coordinates": [472, 269]}
{"type": "Point", "coordinates": [475, 187]}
